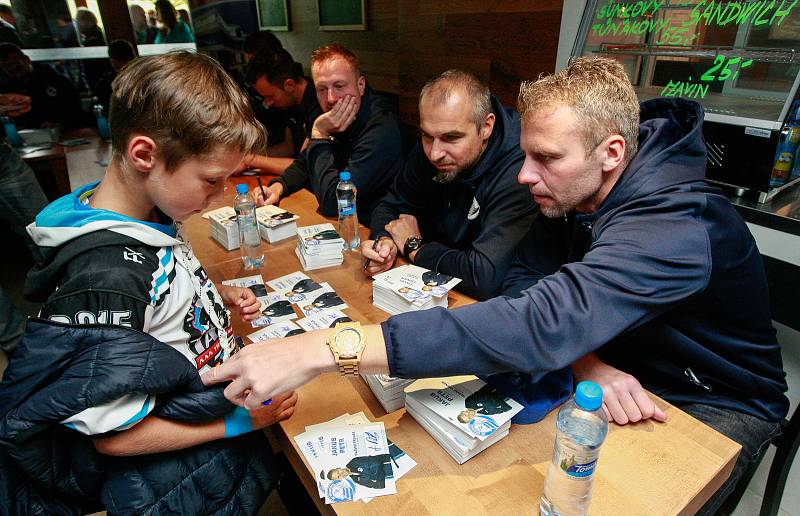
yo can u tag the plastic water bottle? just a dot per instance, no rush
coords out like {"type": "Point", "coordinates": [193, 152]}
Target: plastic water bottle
{"type": "Point", "coordinates": [348, 218]}
{"type": "Point", "coordinates": [249, 237]}
{"type": "Point", "coordinates": [102, 122]}
{"type": "Point", "coordinates": [12, 136]}
{"type": "Point", "coordinates": [581, 428]}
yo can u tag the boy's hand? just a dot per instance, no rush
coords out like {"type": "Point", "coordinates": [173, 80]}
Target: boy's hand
{"type": "Point", "coordinates": [273, 191]}
{"type": "Point", "coordinates": [624, 398]}
{"type": "Point", "coordinates": [380, 259]}
{"type": "Point", "coordinates": [243, 300]}
{"type": "Point", "coordinates": [282, 407]}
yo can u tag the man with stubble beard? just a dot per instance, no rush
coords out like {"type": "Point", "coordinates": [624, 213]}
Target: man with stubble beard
{"type": "Point", "coordinates": [456, 206]}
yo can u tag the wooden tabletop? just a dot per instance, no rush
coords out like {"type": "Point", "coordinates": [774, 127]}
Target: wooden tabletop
{"type": "Point", "coordinates": [645, 468]}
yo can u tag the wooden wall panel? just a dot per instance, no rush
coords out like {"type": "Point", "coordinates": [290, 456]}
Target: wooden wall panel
{"type": "Point", "coordinates": [408, 41]}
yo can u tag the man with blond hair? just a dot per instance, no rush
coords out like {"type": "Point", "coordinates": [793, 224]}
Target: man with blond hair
{"type": "Point", "coordinates": [637, 259]}
{"type": "Point", "coordinates": [357, 131]}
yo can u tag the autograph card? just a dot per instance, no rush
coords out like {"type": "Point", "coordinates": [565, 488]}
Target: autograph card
{"type": "Point", "coordinates": [321, 300]}
{"type": "Point", "coordinates": [276, 331]}
{"type": "Point", "coordinates": [275, 308]}
{"type": "Point", "coordinates": [322, 320]}
{"type": "Point", "coordinates": [254, 283]}
{"type": "Point", "coordinates": [297, 287]}
{"type": "Point", "coordinates": [356, 464]}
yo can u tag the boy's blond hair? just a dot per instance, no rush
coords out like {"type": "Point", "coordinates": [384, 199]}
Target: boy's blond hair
{"type": "Point", "coordinates": [600, 94]}
{"type": "Point", "coordinates": [186, 103]}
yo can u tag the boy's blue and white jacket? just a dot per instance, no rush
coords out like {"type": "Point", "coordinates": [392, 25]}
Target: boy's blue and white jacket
{"type": "Point", "coordinates": [98, 266]}
{"type": "Point", "coordinates": [123, 333]}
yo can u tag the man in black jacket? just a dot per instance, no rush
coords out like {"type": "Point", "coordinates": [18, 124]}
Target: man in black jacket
{"type": "Point", "coordinates": [280, 83]}
{"type": "Point", "coordinates": [456, 206]}
{"type": "Point", "coordinates": [357, 131]}
{"type": "Point", "coordinates": [55, 100]}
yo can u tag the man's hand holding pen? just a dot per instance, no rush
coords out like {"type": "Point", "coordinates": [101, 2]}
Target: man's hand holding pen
{"type": "Point", "coordinates": [379, 255]}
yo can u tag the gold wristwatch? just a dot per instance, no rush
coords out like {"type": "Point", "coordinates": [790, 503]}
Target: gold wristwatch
{"type": "Point", "coordinates": [347, 343]}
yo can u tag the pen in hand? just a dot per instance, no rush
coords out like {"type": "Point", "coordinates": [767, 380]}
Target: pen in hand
{"type": "Point", "coordinates": [374, 248]}
{"type": "Point", "coordinates": [260, 185]}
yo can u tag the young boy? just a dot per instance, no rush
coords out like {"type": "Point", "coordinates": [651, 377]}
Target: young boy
{"type": "Point", "coordinates": [113, 253]}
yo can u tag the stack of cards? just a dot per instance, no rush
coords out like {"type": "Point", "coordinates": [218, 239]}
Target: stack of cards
{"type": "Point", "coordinates": [223, 227]}
{"type": "Point", "coordinates": [276, 224]}
{"type": "Point", "coordinates": [319, 246]}
{"type": "Point", "coordinates": [351, 459]}
{"type": "Point", "coordinates": [462, 413]}
{"type": "Point", "coordinates": [408, 288]}
{"type": "Point", "coordinates": [388, 390]}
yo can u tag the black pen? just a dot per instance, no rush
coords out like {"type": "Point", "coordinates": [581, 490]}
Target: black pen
{"type": "Point", "coordinates": [374, 248]}
{"type": "Point", "coordinates": [263, 195]}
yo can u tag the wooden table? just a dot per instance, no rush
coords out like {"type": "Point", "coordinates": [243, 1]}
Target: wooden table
{"type": "Point", "coordinates": [645, 468]}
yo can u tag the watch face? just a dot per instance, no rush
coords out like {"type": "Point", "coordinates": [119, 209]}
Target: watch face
{"type": "Point", "coordinates": [348, 341]}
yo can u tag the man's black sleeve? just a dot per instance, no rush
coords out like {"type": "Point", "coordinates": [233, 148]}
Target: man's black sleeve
{"type": "Point", "coordinates": [404, 196]}
{"type": "Point", "coordinates": [507, 217]}
{"type": "Point", "coordinates": [295, 177]}
{"type": "Point", "coordinates": [374, 154]}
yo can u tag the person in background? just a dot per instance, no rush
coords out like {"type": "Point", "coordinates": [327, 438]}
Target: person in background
{"type": "Point", "coordinates": [264, 46]}
{"type": "Point", "coordinates": [120, 53]}
{"type": "Point", "coordinates": [358, 131]}
{"type": "Point", "coordinates": [170, 28]}
{"type": "Point", "coordinates": [7, 15]}
{"type": "Point", "coordinates": [55, 101]}
{"type": "Point", "coordinates": [144, 32]}
{"type": "Point", "coordinates": [258, 42]}
{"type": "Point", "coordinates": [280, 83]}
{"type": "Point", "coordinates": [183, 15]}
{"type": "Point", "coordinates": [21, 198]}
{"type": "Point", "coordinates": [91, 36]}
{"type": "Point", "coordinates": [456, 206]}
{"type": "Point", "coordinates": [67, 35]}
{"type": "Point", "coordinates": [8, 26]}
{"type": "Point", "coordinates": [638, 274]}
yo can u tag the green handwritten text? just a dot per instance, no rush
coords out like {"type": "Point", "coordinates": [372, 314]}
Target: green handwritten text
{"type": "Point", "coordinates": [686, 89]}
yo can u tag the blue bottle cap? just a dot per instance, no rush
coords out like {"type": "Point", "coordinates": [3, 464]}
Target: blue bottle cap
{"type": "Point", "coordinates": [344, 175]}
{"type": "Point", "coordinates": [241, 188]}
{"type": "Point", "coordinates": [588, 396]}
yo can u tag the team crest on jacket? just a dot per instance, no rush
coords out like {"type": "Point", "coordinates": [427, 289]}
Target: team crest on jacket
{"type": "Point", "coordinates": [474, 210]}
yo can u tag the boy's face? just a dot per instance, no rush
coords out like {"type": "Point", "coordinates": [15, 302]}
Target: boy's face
{"type": "Point", "coordinates": [193, 184]}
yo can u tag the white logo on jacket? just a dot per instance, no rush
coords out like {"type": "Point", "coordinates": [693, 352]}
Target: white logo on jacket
{"type": "Point", "coordinates": [474, 210]}
{"type": "Point", "coordinates": [132, 256]}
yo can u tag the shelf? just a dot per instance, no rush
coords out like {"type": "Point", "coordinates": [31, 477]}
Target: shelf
{"type": "Point", "coordinates": [762, 55]}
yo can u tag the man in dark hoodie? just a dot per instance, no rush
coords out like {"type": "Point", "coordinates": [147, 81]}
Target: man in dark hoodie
{"type": "Point", "coordinates": [456, 206]}
{"type": "Point", "coordinates": [357, 131]}
{"type": "Point", "coordinates": [636, 258]}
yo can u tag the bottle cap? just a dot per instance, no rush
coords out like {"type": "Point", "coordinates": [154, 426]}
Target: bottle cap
{"type": "Point", "coordinates": [344, 175]}
{"type": "Point", "coordinates": [241, 188]}
{"type": "Point", "coordinates": [588, 396]}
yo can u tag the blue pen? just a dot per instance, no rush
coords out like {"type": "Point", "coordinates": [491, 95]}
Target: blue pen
{"type": "Point", "coordinates": [265, 403]}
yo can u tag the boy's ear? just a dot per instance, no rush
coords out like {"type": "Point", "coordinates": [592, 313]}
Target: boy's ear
{"type": "Point", "coordinates": [142, 153]}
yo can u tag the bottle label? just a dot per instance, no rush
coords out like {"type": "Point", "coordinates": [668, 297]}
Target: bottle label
{"type": "Point", "coordinates": [577, 470]}
{"type": "Point", "coordinates": [347, 208]}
